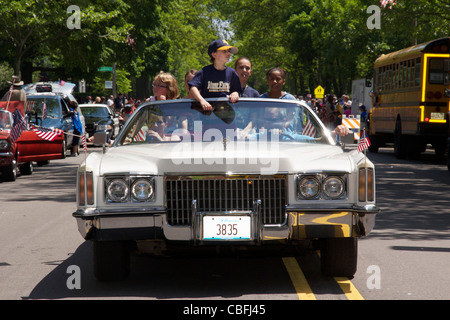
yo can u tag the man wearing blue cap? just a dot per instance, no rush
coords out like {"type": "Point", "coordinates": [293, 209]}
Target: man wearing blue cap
{"type": "Point", "coordinates": [216, 80]}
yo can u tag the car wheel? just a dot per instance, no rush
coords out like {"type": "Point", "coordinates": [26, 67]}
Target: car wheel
{"type": "Point", "coordinates": [9, 173]}
{"type": "Point", "coordinates": [43, 163]}
{"type": "Point", "coordinates": [26, 168]}
{"type": "Point", "coordinates": [64, 151]}
{"type": "Point", "coordinates": [111, 260]}
{"type": "Point", "coordinates": [339, 257]}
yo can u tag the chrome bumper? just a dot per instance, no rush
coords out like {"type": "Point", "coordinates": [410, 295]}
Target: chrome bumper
{"type": "Point", "coordinates": [299, 224]}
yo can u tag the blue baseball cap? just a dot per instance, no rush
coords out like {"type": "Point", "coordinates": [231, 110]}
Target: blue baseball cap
{"type": "Point", "coordinates": [221, 45]}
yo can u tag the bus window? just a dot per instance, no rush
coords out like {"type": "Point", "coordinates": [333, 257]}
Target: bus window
{"type": "Point", "coordinates": [436, 74]}
{"type": "Point", "coordinates": [418, 66]}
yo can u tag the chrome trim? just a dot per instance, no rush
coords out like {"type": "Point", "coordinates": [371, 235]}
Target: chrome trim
{"type": "Point", "coordinates": [301, 223]}
{"type": "Point", "coordinates": [225, 193]}
{"type": "Point", "coordinates": [6, 154]}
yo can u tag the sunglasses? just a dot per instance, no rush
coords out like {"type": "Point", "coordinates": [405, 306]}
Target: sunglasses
{"type": "Point", "coordinates": [158, 86]}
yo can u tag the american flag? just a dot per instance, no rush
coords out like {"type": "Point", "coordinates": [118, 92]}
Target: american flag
{"type": "Point", "coordinates": [309, 129]}
{"type": "Point", "coordinates": [83, 140]}
{"type": "Point", "coordinates": [19, 124]}
{"type": "Point", "coordinates": [29, 107]}
{"type": "Point", "coordinates": [363, 143]}
{"type": "Point", "coordinates": [61, 83]}
{"type": "Point", "coordinates": [140, 136]}
{"type": "Point", "coordinates": [48, 134]}
{"type": "Point", "coordinates": [44, 110]}
{"type": "Point", "coordinates": [390, 3]}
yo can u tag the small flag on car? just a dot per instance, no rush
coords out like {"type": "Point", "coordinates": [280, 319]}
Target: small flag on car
{"type": "Point", "coordinates": [47, 134]}
{"type": "Point", "coordinates": [309, 129]}
{"type": "Point", "coordinates": [44, 110]}
{"type": "Point", "coordinates": [19, 125]}
{"type": "Point", "coordinates": [363, 143]}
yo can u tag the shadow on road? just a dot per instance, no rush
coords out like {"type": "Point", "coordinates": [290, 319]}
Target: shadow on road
{"type": "Point", "coordinates": [413, 196]}
{"type": "Point", "coordinates": [185, 277]}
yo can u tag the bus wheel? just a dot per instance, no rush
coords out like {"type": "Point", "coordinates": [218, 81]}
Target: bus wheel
{"type": "Point", "coordinates": [399, 141]}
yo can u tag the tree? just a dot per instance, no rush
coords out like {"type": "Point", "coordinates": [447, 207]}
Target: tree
{"type": "Point", "coordinates": [28, 28]}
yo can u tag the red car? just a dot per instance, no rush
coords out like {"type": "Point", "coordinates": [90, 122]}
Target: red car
{"type": "Point", "coordinates": [19, 155]}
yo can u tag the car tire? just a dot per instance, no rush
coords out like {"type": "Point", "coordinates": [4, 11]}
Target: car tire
{"type": "Point", "coordinates": [26, 168]}
{"type": "Point", "coordinates": [111, 260]}
{"type": "Point", "coordinates": [9, 173]}
{"type": "Point", "coordinates": [339, 257]}
{"type": "Point", "coordinates": [43, 163]}
{"type": "Point", "coordinates": [64, 151]}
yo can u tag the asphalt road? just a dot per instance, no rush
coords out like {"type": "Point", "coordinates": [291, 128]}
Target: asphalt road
{"type": "Point", "coordinates": [407, 256]}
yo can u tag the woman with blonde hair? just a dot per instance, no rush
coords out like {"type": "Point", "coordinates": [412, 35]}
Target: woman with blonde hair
{"type": "Point", "coordinates": [165, 87]}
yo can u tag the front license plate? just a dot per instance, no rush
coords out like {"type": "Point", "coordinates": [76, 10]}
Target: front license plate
{"type": "Point", "coordinates": [226, 227]}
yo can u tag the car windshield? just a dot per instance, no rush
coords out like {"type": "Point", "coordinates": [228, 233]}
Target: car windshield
{"type": "Point", "coordinates": [100, 112]}
{"type": "Point", "coordinates": [5, 120]}
{"type": "Point", "coordinates": [35, 105]}
{"type": "Point", "coordinates": [247, 120]}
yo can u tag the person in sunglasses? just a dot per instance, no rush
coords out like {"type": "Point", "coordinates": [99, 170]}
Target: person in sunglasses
{"type": "Point", "coordinates": [165, 87]}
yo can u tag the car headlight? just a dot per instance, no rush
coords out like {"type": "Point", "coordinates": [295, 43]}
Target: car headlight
{"type": "Point", "coordinates": [321, 186]}
{"type": "Point", "coordinates": [142, 190]}
{"type": "Point", "coordinates": [308, 187]}
{"type": "Point", "coordinates": [333, 187]}
{"type": "Point", "coordinates": [121, 189]}
{"type": "Point", "coordinates": [4, 144]}
{"type": "Point", "coordinates": [117, 190]}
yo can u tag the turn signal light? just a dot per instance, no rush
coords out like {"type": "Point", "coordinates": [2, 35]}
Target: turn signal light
{"type": "Point", "coordinates": [85, 188]}
{"type": "Point", "coordinates": [366, 185]}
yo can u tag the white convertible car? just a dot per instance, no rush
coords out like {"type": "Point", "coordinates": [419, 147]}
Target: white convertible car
{"type": "Point", "coordinates": [257, 173]}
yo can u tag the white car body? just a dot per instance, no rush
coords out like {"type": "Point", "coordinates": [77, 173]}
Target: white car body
{"type": "Point", "coordinates": [271, 189]}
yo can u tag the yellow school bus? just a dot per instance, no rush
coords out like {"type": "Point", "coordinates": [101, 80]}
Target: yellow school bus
{"type": "Point", "coordinates": [410, 99]}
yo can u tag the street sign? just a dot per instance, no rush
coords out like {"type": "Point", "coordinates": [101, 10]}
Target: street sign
{"type": "Point", "coordinates": [108, 84]}
{"type": "Point", "coordinates": [318, 92]}
{"type": "Point", "coordinates": [105, 69]}
{"type": "Point", "coordinates": [82, 86]}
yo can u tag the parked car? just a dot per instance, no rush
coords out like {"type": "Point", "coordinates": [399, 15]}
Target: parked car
{"type": "Point", "coordinates": [63, 88]}
{"type": "Point", "coordinates": [18, 156]}
{"type": "Point", "coordinates": [257, 173]}
{"type": "Point", "coordinates": [100, 117]}
{"type": "Point", "coordinates": [55, 98]}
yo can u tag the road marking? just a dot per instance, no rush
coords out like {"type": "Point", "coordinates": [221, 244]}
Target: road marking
{"type": "Point", "coordinates": [301, 286]}
{"type": "Point", "coordinates": [348, 288]}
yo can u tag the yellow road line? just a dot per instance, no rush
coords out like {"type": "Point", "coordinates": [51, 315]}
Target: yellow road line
{"type": "Point", "coordinates": [301, 286]}
{"type": "Point", "coordinates": [348, 288]}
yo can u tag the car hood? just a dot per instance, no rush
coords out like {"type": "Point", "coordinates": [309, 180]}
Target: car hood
{"type": "Point", "coordinates": [211, 157]}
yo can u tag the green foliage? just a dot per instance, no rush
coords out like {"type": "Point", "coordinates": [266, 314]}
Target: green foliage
{"type": "Point", "coordinates": [324, 42]}
{"type": "Point", "coordinates": [122, 79]}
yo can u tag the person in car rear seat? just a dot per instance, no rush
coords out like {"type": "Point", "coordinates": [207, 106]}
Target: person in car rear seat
{"type": "Point", "coordinates": [216, 80]}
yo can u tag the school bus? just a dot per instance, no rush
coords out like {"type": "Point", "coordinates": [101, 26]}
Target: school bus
{"type": "Point", "coordinates": [410, 99]}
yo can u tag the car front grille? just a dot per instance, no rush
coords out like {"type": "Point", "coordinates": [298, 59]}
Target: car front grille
{"type": "Point", "coordinates": [225, 193]}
